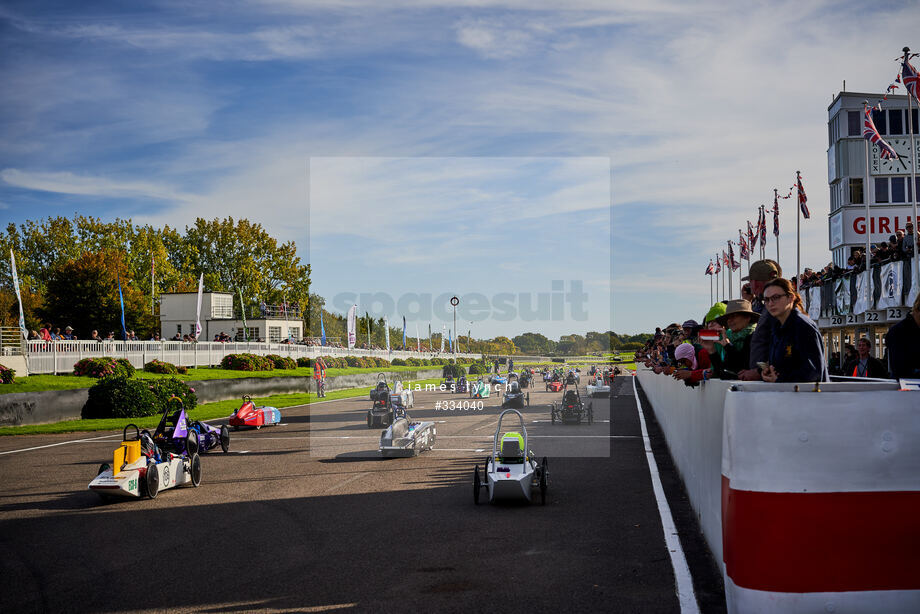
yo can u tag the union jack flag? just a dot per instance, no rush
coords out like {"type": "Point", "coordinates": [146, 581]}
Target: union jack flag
{"type": "Point", "coordinates": [802, 198]}
{"type": "Point", "coordinates": [752, 236]}
{"type": "Point", "coordinates": [743, 246]}
{"type": "Point", "coordinates": [910, 79]}
{"type": "Point", "coordinates": [870, 133]}
{"type": "Point", "coordinates": [734, 264]}
{"type": "Point", "coordinates": [775, 218]}
{"type": "Point", "coordinates": [762, 226]}
{"type": "Point", "coordinates": [718, 264]}
{"type": "Point", "coordinates": [710, 269]}
{"type": "Point", "coordinates": [725, 259]}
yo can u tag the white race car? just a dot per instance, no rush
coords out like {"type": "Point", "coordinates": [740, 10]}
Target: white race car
{"type": "Point", "coordinates": [140, 467]}
{"type": "Point", "coordinates": [511, 472]}
{"type": "Point", "coordinates": [405, 437]}
{"type": "Point", "coordinates": [599, 386]}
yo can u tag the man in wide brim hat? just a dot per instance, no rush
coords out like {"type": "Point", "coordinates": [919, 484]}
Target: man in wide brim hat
{"type": "Point", "coordinates": [739, 322]}
{"type": "Point", "coordinates": [762, 271]}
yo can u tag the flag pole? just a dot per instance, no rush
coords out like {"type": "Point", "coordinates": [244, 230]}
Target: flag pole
{"type": "Point", "coordinates": [711, 302]}
{"type": "Point", "coordinates": [798, 239]}
{"type": "Point", "coordinates": [915, 265]}
{"type": "Point", "coordinates": [868, 219]}
{"type": "Point", "coordinates": [776, 213]}
{"type": "Point", "coordinates": [731, 262]}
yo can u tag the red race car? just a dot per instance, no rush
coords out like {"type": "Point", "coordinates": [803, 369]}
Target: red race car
{"type": "Point", "coordinates": [554, 386]}
{"type": "Point", "coordinates": [257, 417]}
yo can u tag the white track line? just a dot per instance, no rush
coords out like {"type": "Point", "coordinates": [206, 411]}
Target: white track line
{"type": "Point", "coordinates": [684, 580]}
{"type": "Point", "coordinates": [60, 443]}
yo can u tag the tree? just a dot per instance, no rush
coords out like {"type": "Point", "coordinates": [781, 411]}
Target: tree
{"type": "Point", "coordinates": [83, 293]}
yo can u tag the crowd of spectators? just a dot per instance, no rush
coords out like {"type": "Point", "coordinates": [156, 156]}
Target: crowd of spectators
{"type": "Point", "coordinates": [767, 336]}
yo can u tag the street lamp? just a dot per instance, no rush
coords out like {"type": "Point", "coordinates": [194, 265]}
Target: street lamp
{"type": "Point", "coordinates": [455, 301]}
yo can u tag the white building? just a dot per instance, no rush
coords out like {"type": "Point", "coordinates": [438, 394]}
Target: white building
{"type": "Point", "coordinates": [271, 323]}
{"type": "Point", "coordinates": [889, 193]}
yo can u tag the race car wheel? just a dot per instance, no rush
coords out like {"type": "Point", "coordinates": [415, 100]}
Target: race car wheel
{"type": "Point", "coordinates": [477, 484]}
{"type": "Point", "coordinates": [192, 442]}
{"type": "Point", "coordinates": [152, 481]}
{"type": "Point", "coordinates": [528, 399]}
{"type": "Point", "coordinates": [552, 416]}
{"type": "Point", "coordinates": [369, 424]}
{"type": "Point", "coordinates": [195, 469]}
{"type": "Point", "coordinates": [224, 438]}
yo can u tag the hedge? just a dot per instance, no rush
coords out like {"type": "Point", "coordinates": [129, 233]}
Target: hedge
{"type": "Point", "coordinates": [282, 362]}
{"type": "Point", "coordinates": [121, 397]}
{"type": "Point", "coordinates": [247, 362]}
{"type": "Point", "coordinates": [103, 366]}
{"type": "Point", "coordinates": [6, 375]}
{"type": "Point", "coordinates": [159, 366]}
{"type": "Point", "coordinates": [454, 371]}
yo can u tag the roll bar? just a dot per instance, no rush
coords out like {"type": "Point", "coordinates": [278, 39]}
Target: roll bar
{"type": "Point", "coordinates": [498, 432]}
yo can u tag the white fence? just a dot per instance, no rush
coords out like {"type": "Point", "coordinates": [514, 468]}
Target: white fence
{"type": "Point", "coordinates": [60, 356]}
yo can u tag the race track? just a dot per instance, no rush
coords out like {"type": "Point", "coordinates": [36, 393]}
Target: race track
{"type": "Point", "coordinates": [306, 517]}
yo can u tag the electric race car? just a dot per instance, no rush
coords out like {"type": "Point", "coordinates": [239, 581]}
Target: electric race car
{"type": "Point", "coordinates": [572, 410]}
{"type": "Point", "coordinates": [382, 414]}
{"type": "Point", "coordinates": [463, 387]}
{"type": "Point", "coordinates": [176, 434]}
{"type": "Point", "coordinates": [514, 397]}
{"type": "Point", "coordinates": [480, 390]}
{"type": "Point", "coordinates": [598, 386]}
{"type": "Point", "coordinates": [498, 379]}
{"type": "Point", "coordinates": [255, 417]}
{"type": "Point", "coordinates": [555, 383]}
{"type": "Point", "coordinates": [139, 467]}
{"type": "Point", "coordinates": [405, 437]}
{"type": "Point", "coordinates": [511, 471]}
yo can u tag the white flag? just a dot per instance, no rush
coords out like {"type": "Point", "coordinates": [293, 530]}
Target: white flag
{"type": "Point", "coordinates": [198, 310]}
{"type": "Point", "coordinates": [22, 320]}
{"type": "Point", "coordinates": [352, 335]}
{"type": "Point", "coordinates": [443, 330]}
{"type": "Point", "coordinates": [418, 342]}
{"type": "Point", "coordinates": [386, 328]}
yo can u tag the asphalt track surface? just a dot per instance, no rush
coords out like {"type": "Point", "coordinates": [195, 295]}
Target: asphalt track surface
{"type": "Point", "coordinates": [305, 517]}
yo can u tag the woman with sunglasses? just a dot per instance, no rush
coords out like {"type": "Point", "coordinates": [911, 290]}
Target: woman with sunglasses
{"type": "Point", "coordinates": [796, 347]}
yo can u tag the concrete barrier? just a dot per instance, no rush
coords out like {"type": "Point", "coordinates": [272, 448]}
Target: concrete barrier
{"type": "Point", "coordinates": [808, 498]}
{"type": "Point", "coordinates": [21, 408]}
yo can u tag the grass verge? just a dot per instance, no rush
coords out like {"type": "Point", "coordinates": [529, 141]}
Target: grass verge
{"type": "Point", "coordinates": [206, 411]}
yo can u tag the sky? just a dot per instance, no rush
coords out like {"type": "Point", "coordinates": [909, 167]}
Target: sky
{"type": "Point", "coordinates": [510, 153]}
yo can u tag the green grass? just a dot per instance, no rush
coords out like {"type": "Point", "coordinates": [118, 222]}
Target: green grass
{"type": "Point", "coordinates": [38, 383]}
{"type": "Point", "coordinates": [207, 411]}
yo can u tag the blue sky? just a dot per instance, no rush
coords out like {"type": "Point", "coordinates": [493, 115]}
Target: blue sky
{"type": "Point", "coordinates": [445, 146]}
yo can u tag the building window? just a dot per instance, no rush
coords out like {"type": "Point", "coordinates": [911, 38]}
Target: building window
{"type": "Point", "coordinates": [252, 332]}
{"type": "Point", "coordinates": [879, 118]}
{"type": "Point", "coordinates": [895, 123]}
{"type": "Point", "coordinates": [179, 328]}
{"type": "Point", "coordinates": [897, 190]}
{"type": "Point", "coordinates": [853, 124]}
{"type": "Point", "coordinates": [221, 306]}
{"type": "Point", "coordinates": [910, 193]}
{"type": "Point", "coordinates": [881, 189]}
{"type": "Point", "coordinates": [856, 191]}
{"type": "Point", "coordinates": [274, 334]}
{"type": "Point", "coordinates": [913, 117]}
{"type": "Point", "coordinates": [294, 333]}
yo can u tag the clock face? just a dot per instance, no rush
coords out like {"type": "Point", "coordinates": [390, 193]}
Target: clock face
{"type": "Point", "coordinates": [901, 166]}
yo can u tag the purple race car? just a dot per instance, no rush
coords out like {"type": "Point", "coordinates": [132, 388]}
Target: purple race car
{"type": "Point", "coordinates": [176, 433]}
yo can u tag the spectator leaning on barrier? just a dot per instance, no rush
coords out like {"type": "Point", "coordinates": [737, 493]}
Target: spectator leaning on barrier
{"type": "Point", "coordinates": [864, 364]}
{"type": "Point", "coordinates": [693, 365]}
{"type": "Point", "coordinates": [740, 322]}
{"type": "Point", "coordinates": [762, 272]}
{"type": "Point", "coordinates": [903, 343]}
{"type": "Point", "coordinates": [796, 351]}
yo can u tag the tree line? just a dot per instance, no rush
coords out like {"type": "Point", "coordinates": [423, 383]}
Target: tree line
{"type": "Point", "coordinates": [70, 269]}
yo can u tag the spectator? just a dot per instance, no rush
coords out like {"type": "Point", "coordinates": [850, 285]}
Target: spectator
{"type": "Point", "coordinates": [746, 293]}
{"type": "Point", "coordinates": [94, 336]}
{"type": "Point", "coordinates": [762, 272]}
{"type": "Point", "coordinates": [796, 350]}
{"type": "Point", "coordinates": [34, 336]}
{"type": "Point", "coordinates": [740, 322]}
{"type": "Point", "coordinates": [45, 332]}
{"type": "Point", "coordinates": [864, 364]}
{"type": "Point", "coordinates": [693, 364]}
{"type": "Point", "coordinates": [907, 245]}
{"type": "Point", "coordinates": [903, 343]}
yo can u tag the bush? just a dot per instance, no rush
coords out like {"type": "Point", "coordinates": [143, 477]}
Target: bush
{"type": "Point", "coordinates": [398, 362]}
{"type": "Point", "coordinates": [304, 362]}
{"type": "Point", "coordinates": [282, 362]}
{"type": "Point", "coordinates": [6, 375]}
{"type": "Point", "coordinates": [477, 368]}
{"type": "Point", "coordinates": [121, 397]}
{"type": "Point", "coordinates": [103, 366]}
{"type": "Point", "coordinates": [351, 361]}
{"type": "Point", "coordinates": [182, 370]}
{"type": "Point", "coordinates": [454, 371]}
{"type": "Point", "coordinates": [413, 362]}
{"type": "Point", "coordinates": [158, 366]}
{"type": "Point", "coordinates": [247, 362]}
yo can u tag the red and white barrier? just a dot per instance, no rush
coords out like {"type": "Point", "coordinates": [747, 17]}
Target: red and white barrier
{"type": "Point", "coordinates": [821, 499]}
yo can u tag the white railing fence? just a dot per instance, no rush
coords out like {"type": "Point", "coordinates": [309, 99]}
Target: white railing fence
{"type": "Point", "coordinates": [60, 356]}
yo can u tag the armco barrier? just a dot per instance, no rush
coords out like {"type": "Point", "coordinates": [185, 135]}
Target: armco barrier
{"type": "Point", "coordinates": [21, 408]}
{"type": "Point", "coordinates": [819, 491]}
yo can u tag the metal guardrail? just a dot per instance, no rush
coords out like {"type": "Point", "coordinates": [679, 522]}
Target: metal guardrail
{"type": "Point", "coordinates": [47, 357]}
